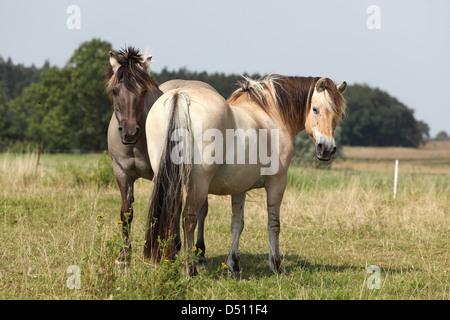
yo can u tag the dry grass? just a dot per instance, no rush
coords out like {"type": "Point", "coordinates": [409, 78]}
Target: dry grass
{"type": "Point", "coordinates": [334, 223]}
{"type": "Point", "coordinates": [434, 157]}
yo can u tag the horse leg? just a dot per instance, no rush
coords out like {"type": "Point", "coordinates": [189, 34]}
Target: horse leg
{"type": "Point", "coordinates": [274, 196]}
{"type": "Point", "coordinates": [197, 195]}
{"type": "Point", "coordinates": [126, 187]}
{"type": "Point", "coordinates": [200, 244]}
{"type": "Point", "coordinates": [237, 225]}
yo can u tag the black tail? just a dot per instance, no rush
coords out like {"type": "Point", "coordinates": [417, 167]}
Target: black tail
{"type": "Point", "coordinates": [162, 238]}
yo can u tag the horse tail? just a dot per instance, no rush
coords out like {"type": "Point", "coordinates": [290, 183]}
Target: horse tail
{"type": "Point", "coordinates": [162, 238]}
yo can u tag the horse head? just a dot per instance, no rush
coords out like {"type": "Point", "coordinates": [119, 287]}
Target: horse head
{"type": "Point", "coordinates": [128, 82]}
{"type": "Point", "coordinates": [327, 107]}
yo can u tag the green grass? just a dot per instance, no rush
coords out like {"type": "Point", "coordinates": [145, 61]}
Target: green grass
{"type": "Point", "coordinates": [334, 224]}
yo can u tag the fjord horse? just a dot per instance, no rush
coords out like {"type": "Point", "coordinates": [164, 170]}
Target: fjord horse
{"type": "Point", "coordinates": [133, 92]}
{"type": "Point", "coordinates": [180, 83]}
{"type": "Point", "coordinates": [186, 130]}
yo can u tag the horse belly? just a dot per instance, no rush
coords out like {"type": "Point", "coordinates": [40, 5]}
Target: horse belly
{"type": "Point", "coordinates": [236, 178]}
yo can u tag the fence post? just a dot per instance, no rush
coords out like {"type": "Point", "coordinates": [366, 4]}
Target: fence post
{"type": "Point", "coordinates": [38, 160]}
{"type": "Point", "coordinates": [395, 178]}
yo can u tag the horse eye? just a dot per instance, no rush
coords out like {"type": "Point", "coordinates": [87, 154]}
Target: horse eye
{"type": "Point", "coordinates": [115, 92]}
{"type": "Point", "coordinates": [315, 110]}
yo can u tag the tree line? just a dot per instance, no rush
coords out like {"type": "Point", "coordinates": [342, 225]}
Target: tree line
{"type": "Point", "coordinates": [67, 109]}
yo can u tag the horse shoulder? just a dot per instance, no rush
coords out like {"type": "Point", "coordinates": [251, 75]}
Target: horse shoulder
{"type": "Point", "coordinates": [285, 149]}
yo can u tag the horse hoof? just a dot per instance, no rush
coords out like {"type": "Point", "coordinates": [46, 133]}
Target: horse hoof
{"type": "Point", "coordinates": [235, 270]}
{"type": "Point", "coordinates": [282, 271]}
{"type": "Point", "coordinates": [193, 272]}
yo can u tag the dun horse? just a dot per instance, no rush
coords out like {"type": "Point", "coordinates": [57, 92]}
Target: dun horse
{"type": "Point", "coordinates": [186, 131]}
{"type": "Point", "coordinates": [133, 91]}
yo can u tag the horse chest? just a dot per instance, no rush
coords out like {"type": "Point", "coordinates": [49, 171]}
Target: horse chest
{"type": "Point", "coordinates": [134, 164]}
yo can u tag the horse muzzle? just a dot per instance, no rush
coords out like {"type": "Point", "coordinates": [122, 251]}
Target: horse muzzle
{"type": "Point", "coordinates": [325, 148]}
{"type": "Point", "coordinates": [129, 136]}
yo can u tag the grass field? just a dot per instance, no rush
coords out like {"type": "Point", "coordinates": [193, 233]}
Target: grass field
{"type": "Point", "coordinates": [335, 223]}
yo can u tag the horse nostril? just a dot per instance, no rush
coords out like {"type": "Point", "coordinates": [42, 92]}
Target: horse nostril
{"type": "Point", "coordinates": [334, 151]}
{"type": "Point", "coordinates": [320, 148]}
{"type": "Point", "coordinates": [136, 133]}
{"type": "Point", "coordinates": [120, 129]}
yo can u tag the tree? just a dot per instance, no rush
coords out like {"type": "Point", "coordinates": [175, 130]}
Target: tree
{"type": "Point", "coordinates": [68, 109]}
{"type": "Point", "coordinates": [424, 130]}
{"type": "Point", "coordinates": [377, 119]}
{"type": "Point", "coordinates": [14, 78]}
{"type": "Point", "coordinates": [442, 136]}
{"type": "Point", "coordinates": [91, 109]}
{"type": "Point", "coordinates": [50, 115]}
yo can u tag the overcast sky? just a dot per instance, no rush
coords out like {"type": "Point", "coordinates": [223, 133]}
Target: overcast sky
{"type": "Point", "coordinates": [402, 47]}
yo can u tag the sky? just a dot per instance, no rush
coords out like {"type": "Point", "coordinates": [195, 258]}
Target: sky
{"type": "Point", "coordinates": [399, 46]}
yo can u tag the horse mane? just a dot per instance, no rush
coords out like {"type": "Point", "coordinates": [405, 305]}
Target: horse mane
{"type": "Point", "coordinates": [292, 96]}
{"type": "Point", "coordinates": [132, 72]}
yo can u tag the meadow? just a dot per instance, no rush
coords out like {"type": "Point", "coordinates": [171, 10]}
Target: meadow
{"type": "Point", "coordinates": [63, 216]}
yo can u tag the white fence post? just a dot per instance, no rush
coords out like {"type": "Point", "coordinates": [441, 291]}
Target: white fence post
{"type": "Point", "coordinates": [395, 178]}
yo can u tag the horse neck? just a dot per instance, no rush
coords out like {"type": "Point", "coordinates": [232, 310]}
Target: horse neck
{"type": "Point", "coordinates": [294, 101]}
{"type": "Point", "coordinates": [151, 96]}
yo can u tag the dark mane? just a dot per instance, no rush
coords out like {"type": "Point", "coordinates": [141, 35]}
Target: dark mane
{"type": "Point", "coordinates": [132, 72]}
{"type": "Point", "coordinates": [292, 96]}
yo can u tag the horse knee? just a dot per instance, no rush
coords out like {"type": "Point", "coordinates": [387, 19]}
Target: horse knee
{"type": "Point", "coordinates": [190, 222]}
{"type": "Point", "coordinates": [274, 226]}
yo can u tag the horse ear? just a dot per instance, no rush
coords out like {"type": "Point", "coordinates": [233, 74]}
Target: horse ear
{"type": "Point", "coordinates": [113, 61]}
{"type": "Point", "coordinates": [341, 87]}
{"type": "Point", "coordinates": [147, 62]}
{"type": "Point", "coordinates": [320, 85]}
